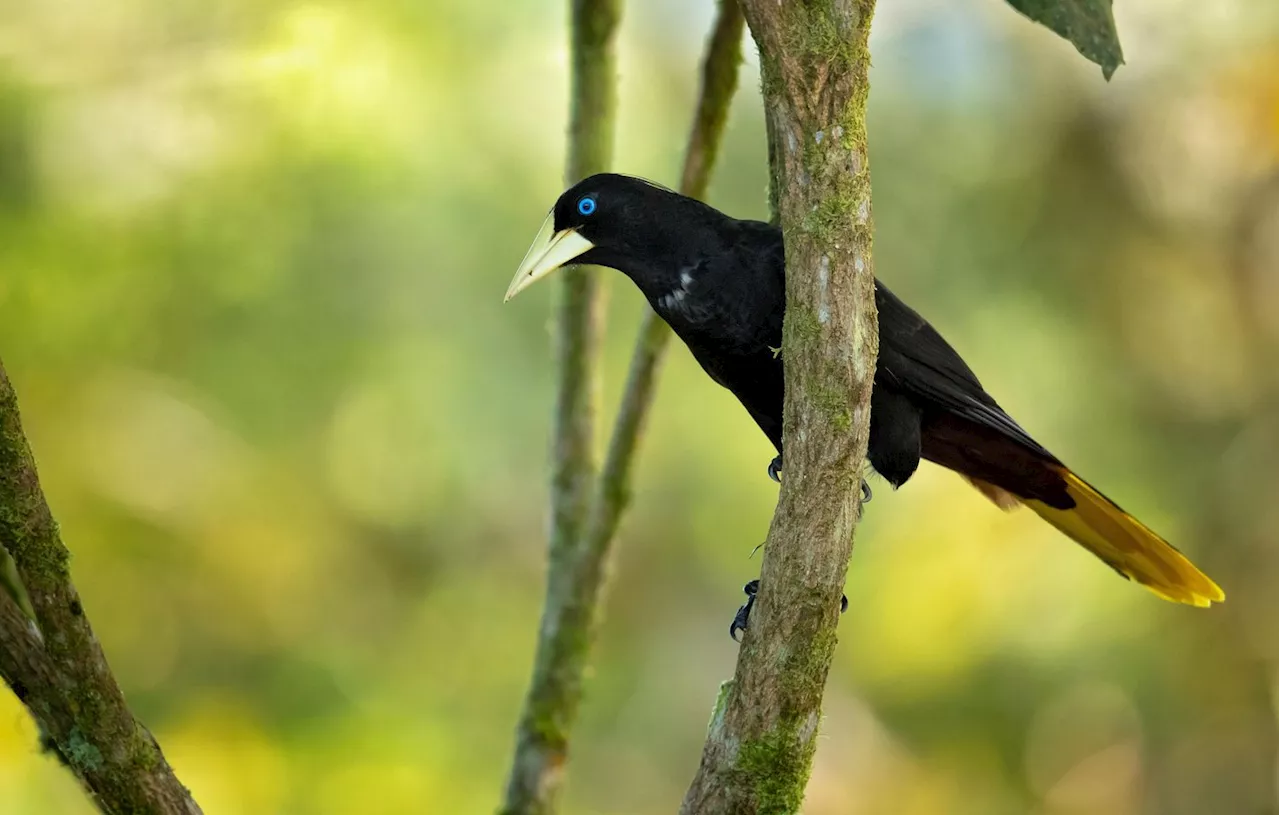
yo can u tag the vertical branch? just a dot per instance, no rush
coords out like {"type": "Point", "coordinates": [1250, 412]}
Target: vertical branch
{"type": "Point", "coordinates": [583, 526]}
{"type": "Point", "coordinates": [711, 111]}
{"type": "Point", "coordinates": [555, 690]}
{"type": "Point", "coordinates": [719, 81]}
{"type": "Point", "coordinates": [593, 76]}
{"type": "Point", "coordinates": [55, 665]}
{"type": "Point", "coordinates": [813, 62]}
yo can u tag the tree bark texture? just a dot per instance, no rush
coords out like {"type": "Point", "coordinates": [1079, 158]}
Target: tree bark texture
{"type": "Point", "coordinates": [762, 737]}
{"type": "Point", "coordinates": [54, 664]}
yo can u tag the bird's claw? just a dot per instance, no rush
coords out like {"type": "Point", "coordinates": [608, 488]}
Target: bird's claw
{"type": "Point", "coordinates": [744, 612]}
{"type": "Point", "coordinates": [740, 619]}
{"type": "Point", "coordinates": [866, 493]}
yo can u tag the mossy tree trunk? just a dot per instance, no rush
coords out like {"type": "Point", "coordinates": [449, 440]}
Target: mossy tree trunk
{"type": "Point", "coordinates": [814, 62]}
{"type": "Point", "coordinates": [54, 664]}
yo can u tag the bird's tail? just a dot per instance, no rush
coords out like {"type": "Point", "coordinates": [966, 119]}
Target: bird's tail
{"type": "Point", "coordinates": [1125, 544]}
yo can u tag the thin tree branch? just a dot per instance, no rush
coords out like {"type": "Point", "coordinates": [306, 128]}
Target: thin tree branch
{"type": "Point", "coordinates": [555, 689]}
{"type": "Point", "coordinates": [719, 81]}
{"type": "Point", "coordinates": [583, 532]}
{"type": "Point", "coordinates": [54, 664]}
{"type": "Point", "coordinates": [763, 734]}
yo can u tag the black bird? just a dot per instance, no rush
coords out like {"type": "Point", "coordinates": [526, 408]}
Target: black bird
{"type": "Point", "coordinates": [719, 283]}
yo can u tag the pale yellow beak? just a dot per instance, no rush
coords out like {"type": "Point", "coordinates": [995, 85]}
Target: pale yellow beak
{"type": "Point", "coordinates": [550, 251]}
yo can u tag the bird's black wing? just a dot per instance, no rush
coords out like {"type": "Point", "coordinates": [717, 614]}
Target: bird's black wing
{"type": "Point", "coordinates": [917, 360]}
{"type": "Point", "coordinates": [730, 317]}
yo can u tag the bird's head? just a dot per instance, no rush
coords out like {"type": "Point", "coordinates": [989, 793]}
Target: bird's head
{"type": "Point", "coordinates": [624, 222]}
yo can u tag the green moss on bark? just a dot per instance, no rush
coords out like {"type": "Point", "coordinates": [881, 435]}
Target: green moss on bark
{"type": "Point", "coordinates": [776, 765]}
{"type": "Point", "coordinates": [61, 674]}
{"type": "Point", "coordinates": [802, 331]}
{"type": "Point", "coordinates": [776, 769]}
{"type": "Point", "coordinates": [26, 529]}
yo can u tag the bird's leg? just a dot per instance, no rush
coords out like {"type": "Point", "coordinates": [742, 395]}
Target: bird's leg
{"type": "Point", "coordinates": [744, 613]}
{"type": "Point", "coordinates": [775, 472]}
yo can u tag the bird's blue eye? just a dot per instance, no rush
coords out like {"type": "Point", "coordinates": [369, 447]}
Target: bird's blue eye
{"type": "Point", "coordinates": [586, 205]}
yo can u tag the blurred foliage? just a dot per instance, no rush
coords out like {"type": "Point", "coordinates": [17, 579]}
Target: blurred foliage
{"type": "Point", "coordinates": [252, 257]}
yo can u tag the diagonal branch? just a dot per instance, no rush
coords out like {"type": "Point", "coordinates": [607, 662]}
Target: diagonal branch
{"type": "Point", "coordinates": [58, 670]}
{"type": "Point", "coordinates": [555, 689]}
{"type": "Point", "coordinates": [719, 81]}
{"type": "Point", "coordinates": [813, 64]}
{"type": "Point", "coordinates": [584, 522]}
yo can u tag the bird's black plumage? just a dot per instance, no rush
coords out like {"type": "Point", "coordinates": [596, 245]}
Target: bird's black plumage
{"type": "Point", "coordinates": [719, 282]}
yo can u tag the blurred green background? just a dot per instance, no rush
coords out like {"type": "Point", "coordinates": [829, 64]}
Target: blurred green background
{"type": "Point", "coordinates": [252, 257]}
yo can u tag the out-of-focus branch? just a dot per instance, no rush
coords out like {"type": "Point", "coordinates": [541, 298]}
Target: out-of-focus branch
{"type": "Point", "coordinates": [583, 527]}
{"type": "Point", "coordinates": [813, 64]}
{"type": "Point", "coordinates": [555, 689]}
{"type": "Point", "coordinates": [719, 81]}
{"type": "Point", "coordinates": [55, 665]}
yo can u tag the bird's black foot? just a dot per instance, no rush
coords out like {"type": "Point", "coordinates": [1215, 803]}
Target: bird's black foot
{"type": "Point", "coordinates": [740, 619]}
{"type": "Point", "coordinates": [744, 613]}
{"type": "Point", "coordinates": [866, 494]}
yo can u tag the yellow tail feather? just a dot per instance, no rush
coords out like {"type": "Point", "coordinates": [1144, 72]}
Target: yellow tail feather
{"type": "Point", "coordinates": [1127, 546]}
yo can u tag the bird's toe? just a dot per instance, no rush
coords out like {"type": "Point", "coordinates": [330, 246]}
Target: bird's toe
{"type": "Point", "coordinates": [744, 612]}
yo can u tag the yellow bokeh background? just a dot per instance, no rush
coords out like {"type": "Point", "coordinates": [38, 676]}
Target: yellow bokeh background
{"type": "Point", "coordinates": [252, 257]}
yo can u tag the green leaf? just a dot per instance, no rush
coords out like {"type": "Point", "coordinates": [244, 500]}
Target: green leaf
{"type": "Point", "coordinates": [1086, 24]}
